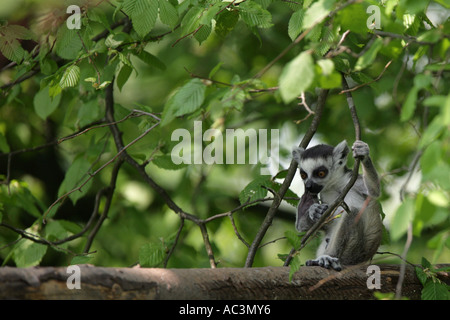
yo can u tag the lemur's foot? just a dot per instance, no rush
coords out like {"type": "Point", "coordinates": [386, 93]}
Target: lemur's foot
{"type": "Point", "coordinates": [325, 261]}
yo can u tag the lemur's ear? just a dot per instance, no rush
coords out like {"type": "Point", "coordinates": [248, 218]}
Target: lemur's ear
{"type": "Point", "coordinates": [340, 153]}
{"type": "Point", "coordinates": [297, 154]}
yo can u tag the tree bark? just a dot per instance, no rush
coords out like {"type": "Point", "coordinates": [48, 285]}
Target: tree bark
{"type": "Point", "coordinates": [191, 284]}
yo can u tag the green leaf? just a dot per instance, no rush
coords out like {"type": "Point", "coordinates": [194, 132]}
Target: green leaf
{"type": "Point", "coordinates": [435, 101]}
{"type": "Point", "coordinates": [187, 99]}
{"type": "Point", "coordinates": [435, 291]}
{"type": "Point", "coordinates": [255, 190]}
{"type": "Point", "coordinates": [4, 146]}
{"type": "Point", "coordinates": [80, 259]}
{"type": "Point", "coordinates": [151, 254]}
{"type": "Point", "coordinates": [317, 12]}
{"type": "Point", "coordinates": [410, 105]}
{"type": "Point", "coordinates": [48, 66]}
{"type": "Point", "coordinates": [12, 50]}
{"type": "Point", "coordinates": [437, 243]}
{"type": "Point", "coordinates": [28, 253]}
{"type": "Point", "coordinates": [422, 81]}
{"type": "Point", "coordinates": [55, 231]}
{"type": "Point", "coordinates": [425, 263]}
{"type": "Point", "coordinates": [369, 56]}
{"type": "Point", "coordinates": [421, 275]}
{"type": "Point", "coordinates": [294, 239]}
{"type": "Point", "coordinates": [123, 76]}
{"type": "Point", "coordinates": [433, 131]}
{"type": "Point", "coordinates": [18, 195]}
{"type": "Point", "coordinates": [16, 32]}
{"type": "Point", "coordinates": [167, 13]}
{"type": "Point", "coordinates": [353, 18]}
{"type": "Point", "coordinates": [296, 77]}
{"type": "Point", "coordinates": [143, 14]}
{"type": "Point", "coordinates": [191, 20]}
{"type": "Point", "coordinates": [430, 157]}
{"type": "Point", "coordinates": [165, 162]}
{"type": "Point", "coordinates": [412, 6]}
{"type": "Point", "coordinates": [214, 70]}
{"type": "Point", "coordinates": [294, 266]}
{"type": "Point", "coordinates": [190, 97]}
{"type": "Point", "coordinates": [124, 59]}
{"type": "Point", "coordinates": [75, 176]}
{"type": "Point", "coordinates": [334, 80]}
{"type": "Point", "coordinates": [88, 112]}
{"type": "Point", "coordinates": [203, 33]}
{"type": "Point", "coordinates": [296, 24]}
{"type": "Point", "coordinates": [401, 219]}
{"type": "Point", "coordinates": [254, 15]}
{"type": "Point", "coordinates": [44, 105]}
{"type": "Point", "coordinates": [98, 15]}
{"type": "Point", "coordinates": [226, 22]}
{"type": "Point", "coordinates": [432, 36]}
{"type": "Point", "coordinates": [289, 193]}
{"type": "Point", "coordinates": [151, 60]}
{"type": "Point", "coordinates": [234, 98]}
{"type": "Point", "coordinates": [9, 45]}
{"type": "Point", "coordinates": [114, 40]}
{"type": "Point", "coordinates": [70, 77]}
{"type": "Point", "coordinates": [329, 78]}
{"type": "Point", "coordinates": [211, 12]}
{"type": "Point", "coordinates": [68, 43]}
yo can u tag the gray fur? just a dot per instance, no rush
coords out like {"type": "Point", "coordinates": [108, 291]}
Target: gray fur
{"type": "Point", "coordinates": [352, 237]}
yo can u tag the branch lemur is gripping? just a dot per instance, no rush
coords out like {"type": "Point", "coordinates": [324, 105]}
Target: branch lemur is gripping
{"type": "Point", "coordinates": [353, 236]}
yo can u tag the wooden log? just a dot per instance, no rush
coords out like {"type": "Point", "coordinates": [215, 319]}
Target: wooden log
{"type": "Point", "coordinates": [266, 283]}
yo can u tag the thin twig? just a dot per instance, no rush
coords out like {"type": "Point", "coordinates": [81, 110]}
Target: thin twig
{"type": "Point", "coordinates": [172, 249]}
{"type": "Point", "coordinates": [401, 277]}
{"type": "Point", "coordinates": [370, 82]}
{"type": "Point", "coordinates": [109, 195]}
{"type": "Point", "coordinates": [237, 232]}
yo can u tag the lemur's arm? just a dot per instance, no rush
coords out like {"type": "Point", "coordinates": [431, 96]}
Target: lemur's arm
{"type": "Point", "coordinates": [370, 175]}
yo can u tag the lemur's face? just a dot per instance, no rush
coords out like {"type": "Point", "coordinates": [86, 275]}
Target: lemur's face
{"type": "Point", "coordinates": [315, 173]}
{"type": "Point", "coordinates": [319, 165]}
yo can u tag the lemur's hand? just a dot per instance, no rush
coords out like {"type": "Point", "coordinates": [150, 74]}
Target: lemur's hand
{"type": "Point", "coordinates": [316, 211]}
{"type": "Point", "coordinates": [360, 149]}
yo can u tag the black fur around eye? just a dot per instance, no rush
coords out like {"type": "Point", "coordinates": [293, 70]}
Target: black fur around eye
{"type": "Point", "coordinates": [303, 175]}
{"type": "Point", "coordinates": [320, 172]}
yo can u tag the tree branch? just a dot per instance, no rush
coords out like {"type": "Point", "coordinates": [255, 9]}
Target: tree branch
{"type": "Point", "coordinates": [268, 283]}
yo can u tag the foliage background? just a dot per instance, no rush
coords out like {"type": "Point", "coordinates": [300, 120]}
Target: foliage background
{"type": "Point", "coordinates": [216, 51]}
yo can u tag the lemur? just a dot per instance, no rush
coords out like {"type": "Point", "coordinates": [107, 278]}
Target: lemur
{"type": "Point", "coordinates": [350, 237]}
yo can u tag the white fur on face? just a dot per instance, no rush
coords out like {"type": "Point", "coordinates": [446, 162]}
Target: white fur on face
{"type": "Point", "coordinates": [310, 164]}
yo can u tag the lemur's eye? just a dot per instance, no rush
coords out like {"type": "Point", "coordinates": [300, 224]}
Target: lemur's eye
{"type": "Point", "coordinates": [303, 175]}
{"type": "Point", "coordinates": [321, 173]}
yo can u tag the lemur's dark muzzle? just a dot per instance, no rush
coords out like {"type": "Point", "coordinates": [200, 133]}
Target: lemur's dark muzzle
{"type": "Point", "coordinates": [312, 187]}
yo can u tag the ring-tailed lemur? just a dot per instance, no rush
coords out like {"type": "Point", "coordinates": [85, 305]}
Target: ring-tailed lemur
{"type": "Point", "coordinates": [350, 237]}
